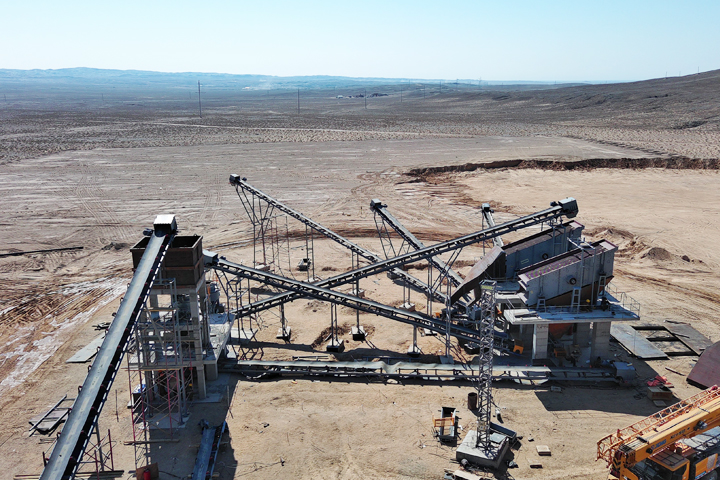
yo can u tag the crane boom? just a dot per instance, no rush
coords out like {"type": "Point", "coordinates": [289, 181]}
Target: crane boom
{"type": "Point", "coordinates": [686, 419]}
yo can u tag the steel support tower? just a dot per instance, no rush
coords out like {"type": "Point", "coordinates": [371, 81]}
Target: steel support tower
{"type": "Point", "coordinates": [486, 307]}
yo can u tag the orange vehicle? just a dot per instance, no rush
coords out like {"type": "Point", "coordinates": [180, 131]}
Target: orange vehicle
{"type": "Point", "coordinates": [681, 442]}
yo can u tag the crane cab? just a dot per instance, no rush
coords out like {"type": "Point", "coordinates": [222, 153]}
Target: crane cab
{"type": "Point", "coordinates": [668, 464]}
{"type": "Point", "coordinates": [691, 459]}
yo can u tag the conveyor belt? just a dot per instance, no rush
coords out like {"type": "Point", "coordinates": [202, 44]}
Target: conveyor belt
{"type": "Point", "coordinates": [368, 306]}
{"type": "Point", "coordinates": [412, 240]}
{"type": "Point", "coordinates": [241, 184]}
{"type": "Point", "coordinates": [207, 454]}
{"type": "Point", "coordinates": [567, 207]}
{"type": "Point", "coordinates": [412, 370]}
{"type": "Point", "coordinates": [71, 444]}
{"type": "Point", "coordinates": [490, 219]}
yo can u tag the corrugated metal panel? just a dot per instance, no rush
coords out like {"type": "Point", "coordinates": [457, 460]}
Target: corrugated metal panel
{"type": "Point", "coordinates": [540, 246]}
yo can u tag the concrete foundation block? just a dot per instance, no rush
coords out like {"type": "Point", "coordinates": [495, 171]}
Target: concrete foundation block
{"type": "Point", "coordinates": [283, 333]}
{"type": "Point", "coordinates": [414, 351]}
{"type": "Point", "coordinates": [335, 345]}
{"type": "Point", "coordinates": [600, 341]}
{"type": "Point", "coordinates": [410, 307]}
{"type": "Point", "coordinates": [540, 342]}
{"type": "Point", "coordinates": [491, 457]}
{"type": "Point", "coordinates": [358, 333]}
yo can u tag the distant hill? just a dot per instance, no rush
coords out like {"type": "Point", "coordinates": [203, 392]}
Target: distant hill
{"type": "Point", "coordinates": [95, 76]}
{"type": "Point", "coordinates": [674, 102]}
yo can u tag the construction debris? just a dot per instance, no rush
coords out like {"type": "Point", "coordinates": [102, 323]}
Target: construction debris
{"type": "Point", "coordinates": [48, 422]}
{"type": "Point", "coordinates": [543, 450]}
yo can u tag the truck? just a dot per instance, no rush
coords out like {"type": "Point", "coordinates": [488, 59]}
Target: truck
{"type": "Point", "coordinates": [680, 442]}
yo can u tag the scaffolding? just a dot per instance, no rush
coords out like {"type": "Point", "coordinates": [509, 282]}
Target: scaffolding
{"type": "Point", "coordinates": [160, 362]}
{"type": "Point", "coordinates": [98, 456]}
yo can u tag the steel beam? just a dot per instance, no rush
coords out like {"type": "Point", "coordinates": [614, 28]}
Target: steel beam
{"type": "Point", "coordinates": [490, 220]}
{"type": "Point", "coordinates": [381, 209]}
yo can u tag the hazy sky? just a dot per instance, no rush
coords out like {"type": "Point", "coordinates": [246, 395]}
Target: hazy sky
{"type": "Point", "coordinates": [498, 40]}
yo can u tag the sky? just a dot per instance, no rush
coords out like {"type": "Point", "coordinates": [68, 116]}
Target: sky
{"type": "Point", "coordinates": [542, 40]}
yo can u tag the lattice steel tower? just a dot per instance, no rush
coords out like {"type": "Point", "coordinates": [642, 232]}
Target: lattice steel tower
{"type": "Point", "coordinates": [486, 307]}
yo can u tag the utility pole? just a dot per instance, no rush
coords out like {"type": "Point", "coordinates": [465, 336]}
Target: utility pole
{"type": "Point", "coordinates": [423, 90]}
{"type": "Point", "coordinates": [298, 101]}
{"type": "Point", "coordinates": [400, 93]}
{"type": "Point", "coordinates": [199, 101]}
{"type": "Point", "coordinates": [365, 99]}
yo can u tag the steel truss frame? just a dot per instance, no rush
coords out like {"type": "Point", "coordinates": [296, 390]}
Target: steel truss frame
{"type": "Point", "coordinates": [486, 307]}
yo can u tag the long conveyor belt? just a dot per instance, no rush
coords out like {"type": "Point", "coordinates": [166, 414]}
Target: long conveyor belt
{"type": "Point", "coordinates": [368, 306]}
{"type": "Point", "coordinates": [567, 207]}
{"type": "Point", "coordinates": [71, 443]}
{"type": "Point", "coordinates": [258, 369]}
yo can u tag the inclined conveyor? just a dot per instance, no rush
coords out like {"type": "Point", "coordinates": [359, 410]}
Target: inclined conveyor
{"type": "Point", "coordinates": [71, 443]}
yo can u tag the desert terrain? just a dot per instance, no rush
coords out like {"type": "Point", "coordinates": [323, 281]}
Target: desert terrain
{"type": "Point", "coordinates": [93, 166]}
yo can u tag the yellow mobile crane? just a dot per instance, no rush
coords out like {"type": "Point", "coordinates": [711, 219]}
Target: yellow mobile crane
{"type": "Point", "coordinates": [681, 442]}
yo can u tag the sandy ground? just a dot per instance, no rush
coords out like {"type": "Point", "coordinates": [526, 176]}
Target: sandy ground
{"type": "Point", "coordinates": [666, 223]}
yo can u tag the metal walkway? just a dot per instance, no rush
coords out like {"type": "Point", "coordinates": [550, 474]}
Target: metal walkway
{"type": "Point", "coordinates": [71, 444]}
{"type": "Point", "coordinates": [315, 291]}
{"type": "Point", "coordinates": [567, 207]}
{"type": "Point", "coordinates": [241, 184]}
{"type": "Point", "coordinates": [413, 370]}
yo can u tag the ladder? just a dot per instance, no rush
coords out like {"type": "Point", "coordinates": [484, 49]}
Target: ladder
{"type": "Point", "coordinates": [575, 303]}
{"type": "Point", "coordinates": [540, 304]}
